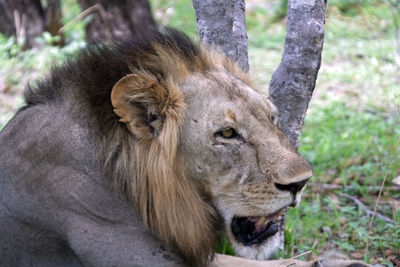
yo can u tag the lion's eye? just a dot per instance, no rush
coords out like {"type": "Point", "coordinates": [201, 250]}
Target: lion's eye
{"type": "Point", "coordinates": [228, 133]}
{"type": "Point", "coordinates": [274, 119]}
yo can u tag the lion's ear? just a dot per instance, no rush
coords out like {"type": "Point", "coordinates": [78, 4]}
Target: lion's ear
{"type": "Point", "coordinates": [144, 105]}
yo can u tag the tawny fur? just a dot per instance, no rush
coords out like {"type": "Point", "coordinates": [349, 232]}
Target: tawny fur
{"type": "Point", "coordinates": [168, 203]}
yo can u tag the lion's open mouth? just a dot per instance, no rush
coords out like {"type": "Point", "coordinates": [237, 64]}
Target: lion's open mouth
{"type": "Point", "coordinates": [255, 229]}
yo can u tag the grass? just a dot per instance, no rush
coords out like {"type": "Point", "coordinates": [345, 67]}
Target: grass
{"type": "Point", "coordinates": [354, 148]}
{"type": "Point", "coordinates": [18, 68]}
{"type": "Point", "coordinates": [352, 129]}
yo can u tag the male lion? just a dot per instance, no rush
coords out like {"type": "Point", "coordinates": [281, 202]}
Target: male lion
{"type": "Point", "coordinates": [126, 150]}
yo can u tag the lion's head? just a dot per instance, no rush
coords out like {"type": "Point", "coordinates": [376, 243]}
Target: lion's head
{"type": "Point", "coordinates": [201, 147]}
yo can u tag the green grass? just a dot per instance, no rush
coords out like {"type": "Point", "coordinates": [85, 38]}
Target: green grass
{"type": "Point", "coordinates": [351, 147]}
{"type": "Point", "coordinates": [178, 14]}
{"type": "Point", "coordinates": [18, 68]}
{"type": "Point", "coordinates": [352, 129]}
{"type": "Point", "coordinates": [346, 142]}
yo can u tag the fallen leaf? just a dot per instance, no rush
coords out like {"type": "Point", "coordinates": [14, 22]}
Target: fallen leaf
{"type": "Point", "coordinates": [5, 88]}
{"type": "Point", "coordinates": [334, 199]}
{"type": "Point", "coordinates": [394, 203]}
{"type": "Point", "coordinates": [356, 255]}
{"type": "Point", "coordinates": [338, 180]}
{"type": "Point", "coordinates": [326, 229]}
{"type": "Point", "coordinates": [352, 161]}
{"type": "Point", "coordinates": [396, 180]}
{"type": "Point", "coordinates": [388, 252]}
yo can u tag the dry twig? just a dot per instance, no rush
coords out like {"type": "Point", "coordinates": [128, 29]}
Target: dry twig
{"type": "Point", "coordinates": [303, 254]}
{"type": "Point", "coordinates": [88, 11]}
{"type": "Point", "coordinates": [377, 201]}
{"type": "Point", "coordinates": [327, 187]}
{"type": "Point", "coordinates": [368, 211]}
{"type": "Point", "coordinates": [20, 22]}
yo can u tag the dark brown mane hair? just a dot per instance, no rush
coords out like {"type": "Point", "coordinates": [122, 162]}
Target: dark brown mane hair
{"type": "Point", "coordinates": [147, 170]}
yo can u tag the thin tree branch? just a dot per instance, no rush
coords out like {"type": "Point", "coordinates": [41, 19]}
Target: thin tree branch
{"type": "Point", "coordinates": [17, 25]}
{"type": "Point", "coordinates": [327, 187]}
{"type": "Point", "coordinates": [88, 11]}
{"type": "Point", "coordinates": [377, 201]}
{"type": "Point", "coordinates": [368, 211]}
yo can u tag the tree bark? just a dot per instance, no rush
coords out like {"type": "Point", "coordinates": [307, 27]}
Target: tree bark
{"type": "Point", "coordinates": [222, 24]}
{"type": "Point", "coordinates": [293, 83]}
{"type": "Point", "coordinates": [22, 18]}
{"type": "Point", "coordinates": [124, 20]}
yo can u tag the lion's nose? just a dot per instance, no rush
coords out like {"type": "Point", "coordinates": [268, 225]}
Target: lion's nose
{"type": "Point", "coordinates": [293, 187]}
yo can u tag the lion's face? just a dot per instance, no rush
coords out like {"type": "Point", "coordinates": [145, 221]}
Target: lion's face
{"type": "Point", "coordinates": [232, 147]}
{"type": "Point", "coordinates": [199, 132]}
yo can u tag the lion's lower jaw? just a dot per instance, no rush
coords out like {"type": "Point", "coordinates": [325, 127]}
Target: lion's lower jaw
{"type": "Point", "coordinates": [265, 251]}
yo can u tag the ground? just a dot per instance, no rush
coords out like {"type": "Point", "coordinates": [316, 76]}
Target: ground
{"type": "Point", "coordinates": [352, 130]}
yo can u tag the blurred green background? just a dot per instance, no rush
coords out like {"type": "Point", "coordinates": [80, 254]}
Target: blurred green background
{"type": "Point", "coordinates": [352, 129]}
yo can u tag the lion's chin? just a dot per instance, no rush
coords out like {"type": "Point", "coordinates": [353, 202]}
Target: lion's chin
{"type": "Point", "coordinates": [264, 251]}
{"type": "Point", "coordinates": [255, 237]}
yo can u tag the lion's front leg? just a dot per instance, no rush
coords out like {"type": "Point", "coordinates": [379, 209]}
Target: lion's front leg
{"type": "Point", "coordinates": [334, 259]}
{"type": "Point", "coordinates": [330, 260]}
{"type": "Point", "coordinates": [226, 260]}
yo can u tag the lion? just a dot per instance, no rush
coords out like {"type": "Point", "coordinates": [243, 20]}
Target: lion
{"type": "Point", "coordinates": [144, 154]}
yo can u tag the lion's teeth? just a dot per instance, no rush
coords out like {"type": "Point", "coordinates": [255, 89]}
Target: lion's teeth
{"type": "Point", "coordinates": [261, 221]}
{"type": "Point", "coordinates": [279, 213]}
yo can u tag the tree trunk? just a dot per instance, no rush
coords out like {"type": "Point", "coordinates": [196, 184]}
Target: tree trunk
{"type": "Point", "coordinates": [123, 20]}
{"type": "Point", "coordinates": [293, 82]}
{"type": "Point", "coordinates": [222, 23]}
{"type": "Point", "coordinates": [53, 19]}
{"type": "Point", "coordinates": [24, 19]}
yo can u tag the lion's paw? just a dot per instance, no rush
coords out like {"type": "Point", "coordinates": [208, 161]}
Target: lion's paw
{"type": "Point", "coordinates": [334, 259]}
